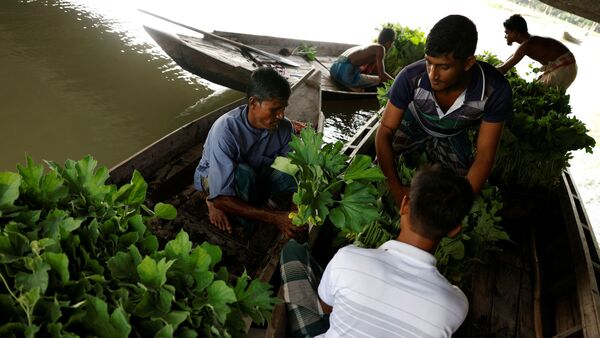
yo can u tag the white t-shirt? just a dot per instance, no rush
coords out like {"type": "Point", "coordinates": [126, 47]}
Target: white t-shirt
{"type": "Point", "coordinates": [392, 291]}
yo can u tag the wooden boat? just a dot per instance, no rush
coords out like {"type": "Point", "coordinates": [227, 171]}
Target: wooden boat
{"type": "Point", "coordinates": [544, 283]}
{"type": "Point", "coordinates": [168, 166]}
{"type": "Point", "coordinates": [228, 58]}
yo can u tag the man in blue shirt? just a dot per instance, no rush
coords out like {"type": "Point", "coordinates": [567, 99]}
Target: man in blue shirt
{"type": "Point", "coordinates": [240, 147]}
{"type": "Point", "coordinates": [434, 101]}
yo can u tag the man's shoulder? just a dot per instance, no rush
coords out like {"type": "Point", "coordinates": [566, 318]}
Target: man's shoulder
{"type": "Point", "coordinates": [493, 76]}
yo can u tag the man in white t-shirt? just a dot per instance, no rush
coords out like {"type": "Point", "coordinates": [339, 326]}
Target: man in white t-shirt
{"type": "Point", "coordinates": [394, 290]}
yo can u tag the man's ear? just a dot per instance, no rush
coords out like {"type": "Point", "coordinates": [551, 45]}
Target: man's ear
{"type": "Point", "coordinates": [469, 62]}
{"type": "Point", "coordinates": [253, 100]}
{"type": "Point", "coordinates": [404, 206]}
{"type": "Point", "coordinates": [455, 231]}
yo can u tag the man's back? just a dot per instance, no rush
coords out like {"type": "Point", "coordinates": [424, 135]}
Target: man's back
{"type": "Point", "coordinates": [362, 55]}
{"type": "Point", "coordinates": [543, 49]}
{"type": "Point", "coordinates": [395, 290]}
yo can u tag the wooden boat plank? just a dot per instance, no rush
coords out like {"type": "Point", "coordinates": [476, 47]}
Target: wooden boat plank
{"type": "Point", "coordinates": [583, 248]}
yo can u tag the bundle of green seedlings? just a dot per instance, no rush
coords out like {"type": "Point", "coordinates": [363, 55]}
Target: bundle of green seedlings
{"type": "Point", "coordinates": [77, 259]}
{"type": "Point", "coordinates": [330, 185]}
{"type": "Point", "coordinates": [538, 140]}
{"type": "Point", "coordinates": [307, 51]}
{"type": "Point", "coordinates": [351, 195]}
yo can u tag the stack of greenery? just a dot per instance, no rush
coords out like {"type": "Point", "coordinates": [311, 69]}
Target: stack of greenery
{"type": "Point", "coordinates": [351, 195]}
{"type": "Point", "coordinates": [76, 259]}
{"type": "Point", "coordinates": [537, 141]}
{"type": "Point", "coordinates": [408, 47]}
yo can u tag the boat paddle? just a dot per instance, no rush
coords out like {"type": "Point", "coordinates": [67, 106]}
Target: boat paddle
{"type": "Point", "coordinates": [235, 43]}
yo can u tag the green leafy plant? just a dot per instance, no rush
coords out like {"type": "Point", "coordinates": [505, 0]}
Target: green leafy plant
{"type": "Point", "coordinates": [309, 52]}
{"type": "Point", "coordinates": [408, 47]}
{"type": "Point", "coordinates": [76, 259]}
{"type": "Point", "coordinates": [329, 185]}
{"type": "Point", "coordinates": [537, 141]}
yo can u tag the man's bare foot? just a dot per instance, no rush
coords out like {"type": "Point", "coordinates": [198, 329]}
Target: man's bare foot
{"type": "Point", "coordinates": [217, 217]}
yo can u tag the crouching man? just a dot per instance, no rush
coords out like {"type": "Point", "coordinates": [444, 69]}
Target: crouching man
{"type": "Point", "coordinates": [241, 146]}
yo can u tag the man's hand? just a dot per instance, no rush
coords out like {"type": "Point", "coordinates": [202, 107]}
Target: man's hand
{"type": "Point", "coordinates": [217, 217]}
{"type": "Point", "coordinates": [283, 222]}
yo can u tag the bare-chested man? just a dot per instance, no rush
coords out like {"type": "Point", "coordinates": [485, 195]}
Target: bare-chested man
{"type": "Point", "coordinates": [347, 68]}
{"type": "Point", "coordinates": [559, 66]}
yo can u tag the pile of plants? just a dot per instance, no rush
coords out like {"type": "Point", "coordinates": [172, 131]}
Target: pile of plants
{"type": "Point", "coordinates": [351, 195]}
{"type": "Point", "coordinates": [330, 186]}
{"type": "Point", "coordinates": [538, 140]}
{"type": "Point", "coordinates": [77, 259]}
{"type": "Point", "coordinates": [408, 47]}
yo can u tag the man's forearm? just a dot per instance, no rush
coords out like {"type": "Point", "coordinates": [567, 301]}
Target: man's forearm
{"type": "Point", "coordinates": [386, 160]}
{"type": "Point", "coordinates": [236, 206]}
{"type": "Point", "coordinates": [479, 172]}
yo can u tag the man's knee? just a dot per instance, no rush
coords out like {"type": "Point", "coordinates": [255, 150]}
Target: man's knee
{"type": "Point", "coordinates": [294, 251]}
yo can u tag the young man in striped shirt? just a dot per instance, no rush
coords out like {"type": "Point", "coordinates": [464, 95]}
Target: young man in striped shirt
{"type": "Point", "coordinates": [435, 101]}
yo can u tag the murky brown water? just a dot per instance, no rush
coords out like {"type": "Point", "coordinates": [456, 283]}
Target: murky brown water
{"type": "Point", "coordinates": [82, 77]}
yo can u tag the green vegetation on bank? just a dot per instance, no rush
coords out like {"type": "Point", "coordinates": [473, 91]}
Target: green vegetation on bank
{"type": "Point", "coordinates": [77, 259]}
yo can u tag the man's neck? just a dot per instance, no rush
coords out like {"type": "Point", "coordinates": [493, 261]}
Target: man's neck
{"type": "Point", "coordinates": [412, 238]}
{"type": "Point", "coordinates": [523, 38]}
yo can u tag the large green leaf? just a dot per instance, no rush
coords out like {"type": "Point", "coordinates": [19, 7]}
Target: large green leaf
{"type": "Point", "coordinates": [59, 263]}
{"type": "Point", "coordinates": [105, 326]}
{"type": "Point", "coordinates": [306, 148]}
{"type": "Point", "coordinates": [356, 208]}
{"type": "Point", "coordinates": [38, 278]}
{"type": "Point", "coordinates": [9, 189]}
{"type": "Point", "coordinates": [165, 211]}
{"type": "Point", "coordinates": [178, 247]}
{"type": "Point", "coordinates": [133, 193]}
{"type": "Point", "coordinates": [285, 165]}
{"type": "Point", "coordinates": [153, 274]}
{"type": "Point", "coordinates": [361, 168]}
{"type": "Point", "coordinates": [84, 177]}
{"type": "Point", "coordinates": [219, 296]}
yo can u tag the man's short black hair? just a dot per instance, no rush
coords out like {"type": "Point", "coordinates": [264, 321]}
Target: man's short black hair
{"type": "Point", "coordinates": [439, 200]}
{"type": "Point", "coordinates": [454, 34]}
{"type": "Point", "coordinates": [267, 84]}
{"type": "Point", "coordinates": [516, 23]}
{"type": "Point", "coordinates": [386, 35]}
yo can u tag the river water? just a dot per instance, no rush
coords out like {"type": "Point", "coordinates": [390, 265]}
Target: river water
{"type": "Point", "coordinates": [82, 76]}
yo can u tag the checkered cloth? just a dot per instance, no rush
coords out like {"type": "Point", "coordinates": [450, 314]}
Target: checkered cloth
{"type": "Point", "coordinates": [300, 277]}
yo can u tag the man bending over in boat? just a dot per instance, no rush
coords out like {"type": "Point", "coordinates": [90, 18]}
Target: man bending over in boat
{"type": "Point", "coordinates": [558, 63]}
{"type": "Point", "coordinates": [235, 168]}
{"type": "Point", "coordinates": [433, 102]}
{"type": "Point", "coordinates": [347, 68]}
{"type": "Point", "coordinates": [394, 290]}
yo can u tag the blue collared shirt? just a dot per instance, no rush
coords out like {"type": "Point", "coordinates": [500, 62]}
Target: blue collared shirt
{"type": "Point", "coordinates": [232, 140]}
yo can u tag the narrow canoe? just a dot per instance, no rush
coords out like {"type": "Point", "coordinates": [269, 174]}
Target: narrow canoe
{"type": "Point", "coordinates": [230, 63]}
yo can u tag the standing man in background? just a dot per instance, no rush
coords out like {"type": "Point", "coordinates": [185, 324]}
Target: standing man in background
{"type": "Point", "coordinates": [558, 63]}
